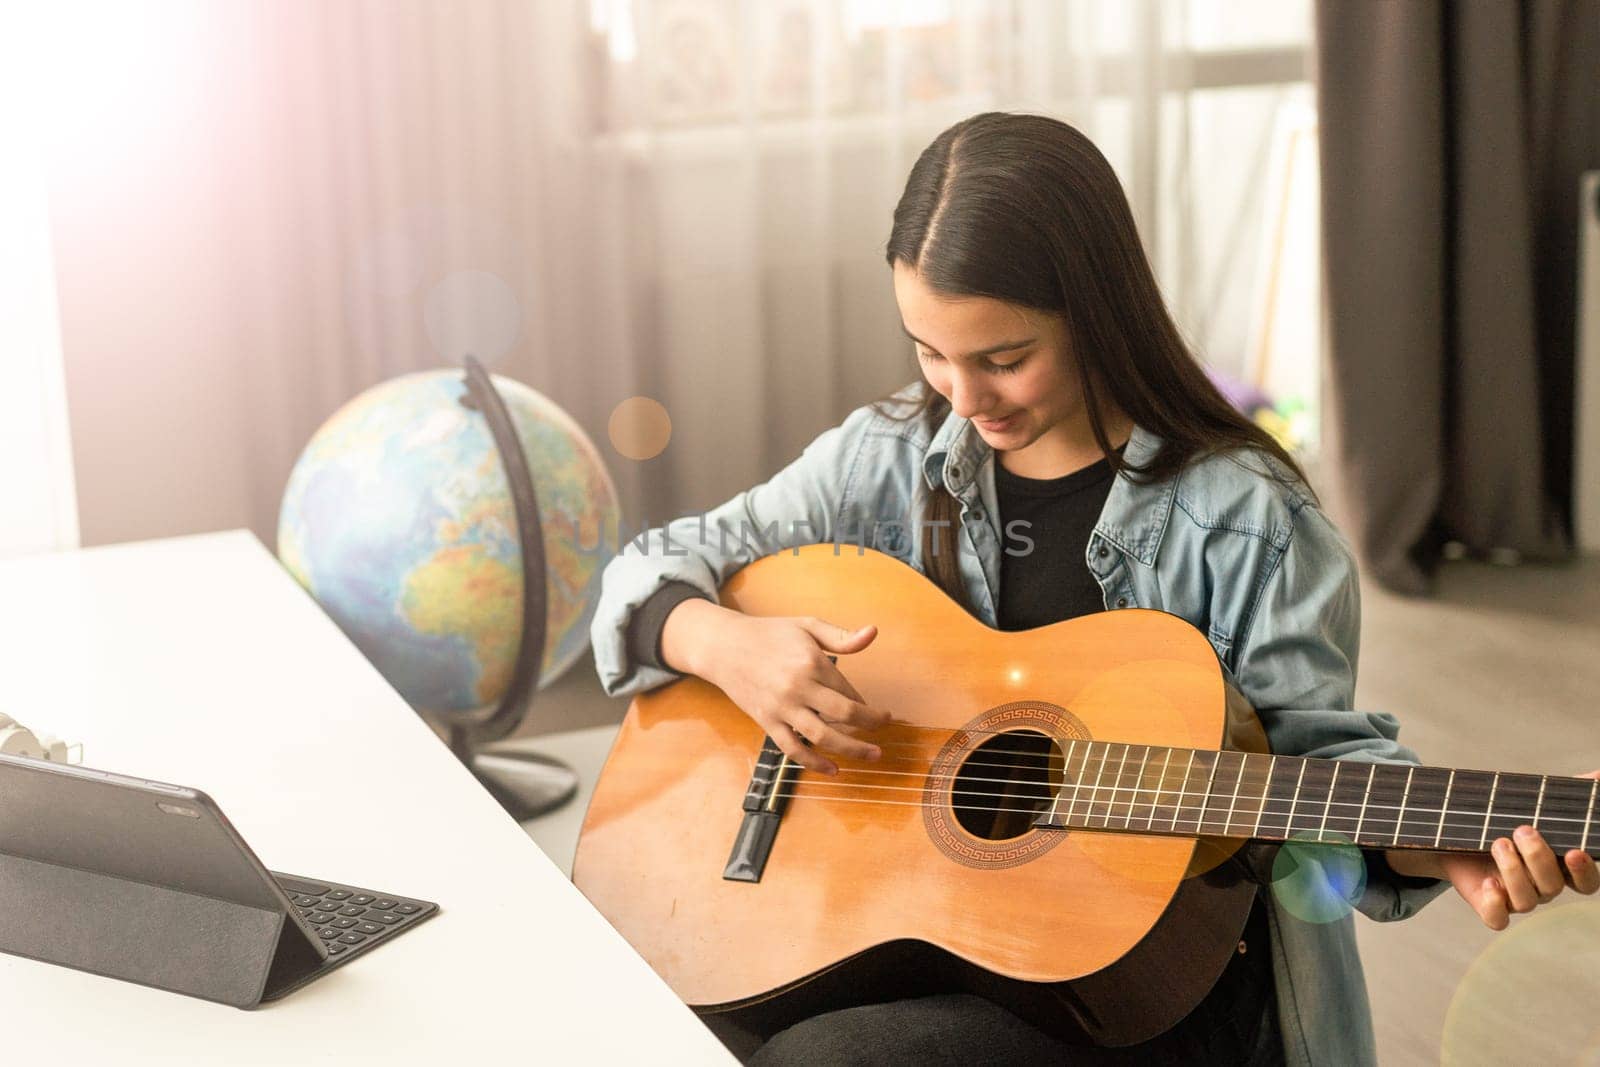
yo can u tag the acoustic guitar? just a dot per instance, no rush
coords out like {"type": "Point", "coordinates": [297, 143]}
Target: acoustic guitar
{"type": "Point", "coordinates": [1056, 821]}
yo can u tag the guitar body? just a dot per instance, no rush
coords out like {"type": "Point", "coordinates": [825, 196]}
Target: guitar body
{"type": "Point", "coordinates": [875, 885]}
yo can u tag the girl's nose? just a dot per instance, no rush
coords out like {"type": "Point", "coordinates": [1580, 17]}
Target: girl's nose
{"type": "Point", "coordinates": [967, 396]}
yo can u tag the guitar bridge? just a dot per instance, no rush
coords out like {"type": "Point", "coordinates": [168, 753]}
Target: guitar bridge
{"type": "Point", "coordinates": [764, 804]}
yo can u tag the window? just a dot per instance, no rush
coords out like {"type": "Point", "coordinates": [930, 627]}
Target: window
{"type": "Point", "coordinates": [1204, 108]}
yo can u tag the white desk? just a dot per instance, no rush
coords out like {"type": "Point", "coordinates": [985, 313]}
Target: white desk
{"type": "Point", "coordinates": [199, 661]}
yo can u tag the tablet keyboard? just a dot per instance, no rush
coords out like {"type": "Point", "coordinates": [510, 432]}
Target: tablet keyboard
{"type": "Point", "coordinates": [347, 918]}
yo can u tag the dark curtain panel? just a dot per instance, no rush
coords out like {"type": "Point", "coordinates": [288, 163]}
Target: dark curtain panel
{"type": "Point", "coordinates": [1453, 136]}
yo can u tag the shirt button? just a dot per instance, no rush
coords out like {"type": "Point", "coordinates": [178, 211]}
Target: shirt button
{"type": "Point", "coordinates": [1104, 552]}
{"type": "Point", "coordinates": [977, 514]}
{"type": "Point", "coordinates": [955, 474]}
{"type": "Point", "coordinates": [1122, 601]}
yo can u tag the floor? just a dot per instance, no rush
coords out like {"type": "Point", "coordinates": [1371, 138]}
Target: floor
{"type": "Point", "coordinates": [1500, 670]}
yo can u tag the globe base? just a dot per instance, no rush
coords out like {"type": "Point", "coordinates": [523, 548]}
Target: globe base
{"type": "Point", "coordinates": [525, 783]}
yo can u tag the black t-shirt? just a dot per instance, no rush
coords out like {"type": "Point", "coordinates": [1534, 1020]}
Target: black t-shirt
{"type": "Point", "coordinates": [1047, 523]}
{"type": "Point", "coordinates": [1048, 582]}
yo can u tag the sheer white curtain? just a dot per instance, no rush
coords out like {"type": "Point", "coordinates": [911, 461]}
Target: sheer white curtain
{"type": "Point", "coordinates": [38, 505]}
{"type": "Point", "coordinates": [772, 140]}
{"type": "Point", "coordinates": [684, 199]}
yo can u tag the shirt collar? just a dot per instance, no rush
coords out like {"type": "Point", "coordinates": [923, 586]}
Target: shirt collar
{"type": "Point", "coordinates": [1134, 517]}
{"type": "Point", "coordinates": [953, 455]}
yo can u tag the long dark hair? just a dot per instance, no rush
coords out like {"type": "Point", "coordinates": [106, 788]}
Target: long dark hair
{"type": "Point", "coordinates": [1025, 209]}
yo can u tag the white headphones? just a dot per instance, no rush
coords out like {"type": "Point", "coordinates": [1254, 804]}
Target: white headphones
{"type": "Point", "coordinates": [18, 740]}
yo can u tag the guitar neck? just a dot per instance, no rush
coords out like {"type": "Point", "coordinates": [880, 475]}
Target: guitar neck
{"type": "Point", "coordinates": [1194, 792]}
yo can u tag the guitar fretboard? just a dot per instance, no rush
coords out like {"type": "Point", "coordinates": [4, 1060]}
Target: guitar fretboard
{"type": "Point", "coordinates": [1195, 792]}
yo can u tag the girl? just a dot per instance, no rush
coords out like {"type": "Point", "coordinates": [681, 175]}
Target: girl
{"type": "Point", "coordinates": [1064, 453]}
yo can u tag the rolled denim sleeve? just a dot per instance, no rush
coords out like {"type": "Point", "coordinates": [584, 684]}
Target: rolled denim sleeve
{"type": "Point", "coordinates": [643, 639]}
{"type": "Point", "coordinates": [797, 506]}
{"type": "Point", "coordinates": [1297, 665]}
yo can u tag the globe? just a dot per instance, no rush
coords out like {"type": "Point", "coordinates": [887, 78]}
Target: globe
{"type": "Point", "coordinates": [398, 519]}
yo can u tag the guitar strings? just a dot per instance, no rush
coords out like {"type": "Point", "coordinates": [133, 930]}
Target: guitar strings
{"type": "Point", "coordinates": [1114, 786]}
{"type": "Point", "coordinates": [1510, 786]}
{"type": "Point", "coordinates": [1105, 752]}
{"type": "Point", "coordinates": [1174, 829]}
{"type": "Point", "coordinates": [1553, 809]}
{"type": "Point", "coordinates": [1311, 805]}
{"type": "Point", "coordinates": [1152, 826]}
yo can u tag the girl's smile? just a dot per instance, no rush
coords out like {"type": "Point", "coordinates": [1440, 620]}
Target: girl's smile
{"type": "Point", "coordinates": [996, 426]}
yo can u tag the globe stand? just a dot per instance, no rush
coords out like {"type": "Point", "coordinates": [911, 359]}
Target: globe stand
{"type": "Point", "coordinates": [526, 784]}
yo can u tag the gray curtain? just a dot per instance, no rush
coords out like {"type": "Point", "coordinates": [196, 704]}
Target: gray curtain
{"type": "Point", "coordinates": [1453, 136]}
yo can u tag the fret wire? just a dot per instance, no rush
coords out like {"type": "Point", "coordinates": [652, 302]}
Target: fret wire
{"type": "Point", "coordinates": [1543, 781]}
{"type": "Point", "coordinates": [1151, 821]}
{"type": "Point", "coordinates": [1066, 765]}
{"type": "Point", "coordinates": [1514, 793]}
{"type": "Point", "coordinates": [1177, 806]}
{"type": "Point", "coordinates": [1332, 782]}
{"type": "Point", "coordinates": [1104, 759]}
{"type": "Point", "coordinates": [1205, 798]}
{"type": "Point", "coordinates": [1077, 780]}
{"type": "Point", "coordinates": [1104, 756]}
{"type": "Point", "coordinates": [1066, 776]}
{"type": "Point", "coordinates": [1566, 796]}
{"type": "Point", "coordinates": [1133, 790]}
{"type": "Point", "coordinates": [1365, 797]}
{"type": "Point", "coordinates": [1116, 783]}
{"type": "Point", "coordinates": [1288, 827]}
{"type": "Point", "coordinates": [1244, 760]}
{"type": "Point", "coordinates": [1488, 811]}
{"type": "Point", "coordinates": [1444, 806]}
{"type": "Point", "coordinates": [1266, 794]}
{"type": "Point", "coordinates": [1400, 820]}
{"type": "Point", "coordinates": [1138, 780]}
{"type": "Point", "coordinates": [1588, 816]}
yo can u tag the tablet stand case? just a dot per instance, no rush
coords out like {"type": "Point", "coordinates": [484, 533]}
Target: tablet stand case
{"type": "Point", "coordinates": [156, 936]}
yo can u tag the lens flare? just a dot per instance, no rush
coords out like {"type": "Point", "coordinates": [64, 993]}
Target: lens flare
{"type": "Point", "coordinates": [472, 312]}
{"type": "Point", "coordinates": [1530, 997]}
{"type": "Point", "coordinates": [639, 428]}
{"type": "Point", "coordinates": [1318, 881]}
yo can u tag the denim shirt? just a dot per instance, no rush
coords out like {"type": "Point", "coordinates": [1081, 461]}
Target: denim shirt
{"type": "Point", "coordinates": [1251, 562]}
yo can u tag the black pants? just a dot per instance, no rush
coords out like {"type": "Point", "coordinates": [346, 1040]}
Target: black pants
{"type": "Point", "coordinates": [1236, 1023]}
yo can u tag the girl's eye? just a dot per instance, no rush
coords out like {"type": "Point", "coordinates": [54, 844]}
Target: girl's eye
{"type": "Point", "coordinates": [998, 368]}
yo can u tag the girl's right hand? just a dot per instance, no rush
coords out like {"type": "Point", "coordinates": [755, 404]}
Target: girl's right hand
{"type": "Point", "coordinates": [777, 670]}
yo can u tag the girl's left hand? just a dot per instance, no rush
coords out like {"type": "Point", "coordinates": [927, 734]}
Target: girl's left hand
{"type": "Point", "coordinates": [1519, 875]}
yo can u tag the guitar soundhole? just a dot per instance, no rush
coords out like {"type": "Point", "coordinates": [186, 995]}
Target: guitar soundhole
{"type": "Point", "coordinates": [1005, 783]}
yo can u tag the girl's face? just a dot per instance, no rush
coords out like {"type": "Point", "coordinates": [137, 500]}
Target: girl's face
{"type": "Point", "coordinates": [1010, 369]}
